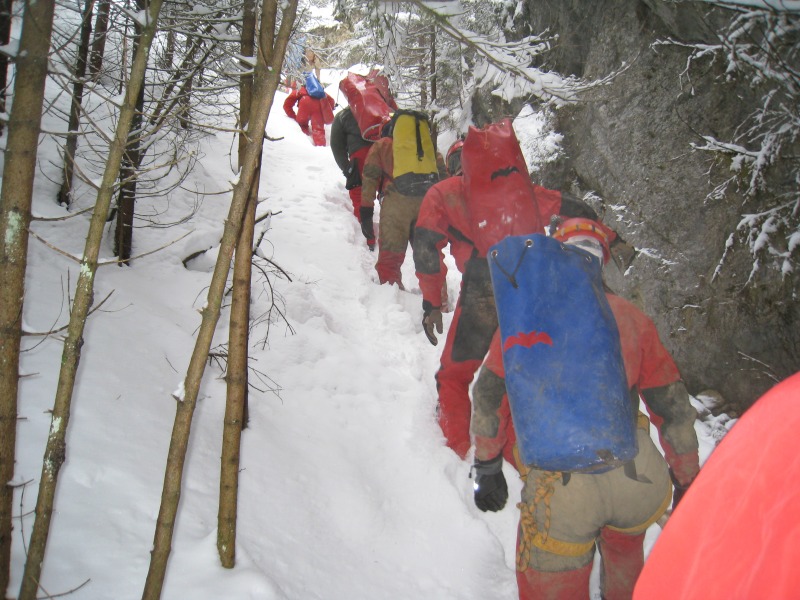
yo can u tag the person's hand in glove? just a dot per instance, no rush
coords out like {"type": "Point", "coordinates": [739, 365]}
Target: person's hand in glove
{"type": "Point", "coordinates": [623, 253]}
{"type": "Point", "coordinates": [491, 490]}
{"type": "Point", "coordinates": [432, 320]}
{"type": "Point", "coordinates": [365, 214]}
{"type": "Point", "coordinates": [679, 489]}
{"type": "Point", "coordinates": [352, 176]}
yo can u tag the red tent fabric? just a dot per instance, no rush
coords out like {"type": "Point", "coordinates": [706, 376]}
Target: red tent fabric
{"type": "Point", "coordinates": [736, 533]}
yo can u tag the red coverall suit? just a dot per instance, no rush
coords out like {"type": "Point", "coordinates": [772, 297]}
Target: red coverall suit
{"type": "Point", "coordinates": [561, 522]}
{"type": "Point", "coordinates": [310, 111]}
{"type": "Point", "coordinates": [444, 218]}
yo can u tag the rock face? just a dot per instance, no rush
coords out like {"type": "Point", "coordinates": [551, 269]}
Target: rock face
{"type": "Point", "coordinates": [630, 143]}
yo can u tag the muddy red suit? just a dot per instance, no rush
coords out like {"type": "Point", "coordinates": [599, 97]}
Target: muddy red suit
{"type": "Point", "coordinates": [494, 198]}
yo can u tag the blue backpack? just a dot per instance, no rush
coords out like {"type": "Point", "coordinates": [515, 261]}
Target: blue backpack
{"type": "Point", "coordinates": [565, 377]}
{"type": "Point", "coordinates": [314, 87]}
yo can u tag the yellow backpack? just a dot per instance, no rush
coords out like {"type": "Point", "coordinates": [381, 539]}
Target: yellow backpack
{"type": "Point", "coordinates": [413, 153]}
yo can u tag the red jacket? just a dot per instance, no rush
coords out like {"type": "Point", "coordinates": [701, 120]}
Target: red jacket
{"type": "Point", "coordinates": [444, 217]}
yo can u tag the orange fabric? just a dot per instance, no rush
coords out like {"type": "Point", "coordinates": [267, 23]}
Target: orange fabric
{"type": "Point", "coordinates": [735, 533]}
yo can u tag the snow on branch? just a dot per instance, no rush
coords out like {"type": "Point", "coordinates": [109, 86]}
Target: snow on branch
{"type": "Point", "coordinates": [760, 46]}
{"type": "Point", "coordinates": [507, 65]}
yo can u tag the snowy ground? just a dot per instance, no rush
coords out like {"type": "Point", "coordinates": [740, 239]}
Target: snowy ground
{"type": "Point", "coordinates": [346, 489]}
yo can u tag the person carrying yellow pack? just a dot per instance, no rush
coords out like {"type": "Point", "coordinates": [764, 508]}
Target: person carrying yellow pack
{"type": "Point", "coordinates": [400, 167]}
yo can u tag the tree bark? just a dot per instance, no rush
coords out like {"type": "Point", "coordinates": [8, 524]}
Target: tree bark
{"type": "Point", "coordinates": [126, 202]}
{"type": "Point", "coordinates": [15, 217]}
{"type": "Point", "coordinates": [100, 33]}
{"type": "Point", "coordinates": [238, 341]}
{"type": "Point", "coordinates": [65, 192]}
{"type": "Point", "coordinates": [56, 443]}
{"type": "Point", "coordinates": [267, 75]}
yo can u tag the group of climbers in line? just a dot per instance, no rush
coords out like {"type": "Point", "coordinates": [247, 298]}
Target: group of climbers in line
{"type": "Point", "coordinates": [485, 195]}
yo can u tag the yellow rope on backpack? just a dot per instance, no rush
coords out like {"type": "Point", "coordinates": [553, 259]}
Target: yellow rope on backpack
{"type": "Point", "coordinates": [527, 519]}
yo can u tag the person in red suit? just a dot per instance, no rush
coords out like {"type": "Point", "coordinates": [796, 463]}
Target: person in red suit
{"type": "Point", "coordinates": [564, 516]}
{"type": "Point", "coordinates": [312, 113]}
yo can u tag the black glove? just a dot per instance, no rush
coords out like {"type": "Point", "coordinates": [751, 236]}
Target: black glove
{"type": "Point", "coordinates": [680, 490]}
{"type": "Point", "coordinates": [352, 176]}
{"type": "Point", "coordinates": [491, 491]}
{"type": "Point", "coordinates": [431, 319]}
{"type": "Point", "coordinates": [367, 228]}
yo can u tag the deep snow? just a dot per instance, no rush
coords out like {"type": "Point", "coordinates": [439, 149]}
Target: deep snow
{"type": "Point", "coordinates": [346, 488]}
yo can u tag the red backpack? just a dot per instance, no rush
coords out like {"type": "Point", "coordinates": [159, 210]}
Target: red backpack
{"type": "Point", "coordinates": [370, 102]}
{"type": "Point", "coordinates": [498, 191]}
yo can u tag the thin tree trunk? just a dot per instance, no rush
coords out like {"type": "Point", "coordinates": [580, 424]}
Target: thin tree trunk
{"type": "Point", "coordinates": [56, 442]}
{"type": "Point", "coordinates": [100, 33]}
{"type": "Point", "coordinates": [15, 217]}
{"type": "Point", "coordinates": [169, 48]}
{"type": "Point", "coordinates": [267, 76]}
{"type": "Point", "coordinates": [185, 104]}
{"type": "Point", "coordinates": [5, 36]}
{"type": "Point", "coordinates": [238, 341]}
{"type": "Point", "coordinates": [132, 159]}
{"type": "Point", "coordinates": [126, 199]}
{"type": "Point", "coordinates": [65, 192]}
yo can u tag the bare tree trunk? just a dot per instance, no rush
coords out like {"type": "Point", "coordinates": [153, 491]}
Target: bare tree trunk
{"type": "Point", "coordinates": [15, 217]}
{"type": "Point", "coordinates": [5, 36]}
{"type": "Point", "coordinates": [267, 75]}
{"type": "Point", "coordinates": [238, 341]}
{"type": "Point", "coordinates": [126, 201]}
{"type": "Point", "coordinates": [169, 50]}
{"type": "Point", "coordinates": [185, 104]}
{"type": "Point", "coordinates": [65, 192]}
{"type": "Point", "coordinates": [100, 33]}
{"type": "Point", "coordinates": [55, 450]}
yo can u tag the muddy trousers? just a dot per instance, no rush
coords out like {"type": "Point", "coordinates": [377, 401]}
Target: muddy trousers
{"type": "Point", "coordinates": [398, 217]}
{"type": "Point", "coordinates": [622, 561]}
{"type": "Point", "coordinates": [560, 525]}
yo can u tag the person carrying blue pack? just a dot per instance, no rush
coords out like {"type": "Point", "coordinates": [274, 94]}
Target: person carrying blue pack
{"type": "Point", "coordinates": [565, 513]}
